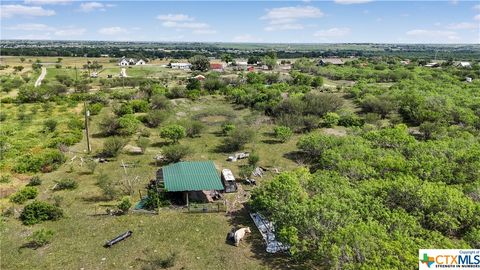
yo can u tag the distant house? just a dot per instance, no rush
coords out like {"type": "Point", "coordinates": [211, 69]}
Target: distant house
{"type": "Point", "coordinates": [180, 65]}
{"type": "Point", "coordinates": [123, 62]}
{"type": "Point", "coordinates": [251, 68]}
{"type": "Point", "coordinates": [193, 179]}
{"type": "Point", "coordinates": [405, 62]}
{"type": "Point", "coordinates": [216, 67]}
{"type": "Point", "coordinates": [240, 65]}
{"type": "Point", "coordinates": [463, 64]}
{"type": "Point", "coordinates": [332, 61]}
{"type": "Point", "coordinates": [468, 79]}
{"type": "Point", "coordinates": [432, 65]}
{"type": "Point", "coordinates": [130, 62]}
{"type": "Point", "coordinates": [140, 62]}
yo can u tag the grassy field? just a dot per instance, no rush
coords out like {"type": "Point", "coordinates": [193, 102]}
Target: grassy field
{"type": "Point", "coordinates": [198, 240]}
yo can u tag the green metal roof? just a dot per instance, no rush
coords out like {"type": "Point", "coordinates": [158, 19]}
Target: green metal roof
{"type": "Point", "coordinates": [191, 176]}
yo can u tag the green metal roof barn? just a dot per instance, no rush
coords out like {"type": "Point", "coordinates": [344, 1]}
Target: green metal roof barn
{"type": "Point", "coordinates": [191, 176]}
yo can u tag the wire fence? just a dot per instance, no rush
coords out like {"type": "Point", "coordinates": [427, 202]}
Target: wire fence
{"type": "Point", "coordinates": [207, 207]}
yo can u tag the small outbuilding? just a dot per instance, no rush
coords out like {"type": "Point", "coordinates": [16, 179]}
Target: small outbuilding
{"type": "Point", "coordinates": [332, 61]}
{"type": "Point", "coordinates": [194, 179]}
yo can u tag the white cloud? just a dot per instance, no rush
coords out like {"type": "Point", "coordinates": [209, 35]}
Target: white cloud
{"type": "Point", "coordinates": [204, 32]}
{"type": "Point", "coordinates": [115, 30]}
{"type": "Point", "coordinates": [292, 13]}
{"type": "Point", "coordinates": [47, 31]}
{"type": "Point", "coordinates": [94, 6]}
{"type": "Point", "coordinates": [477, 7]}
{"type": "Point", "coordinates": [187, 25]}
{"type": "Point", "coordinates": [185, 22]}
{"type": "Point", "coordinates": [333, 32]}
{"type": "Point", "coordinates": [47, 2]}
{"type": "Point", "coordinates": [45, 36]}
{"type": "Point", "coordinates": [8, 11]}
{"type": "Point", "coordinates": [477, 17]}
{"type": "Point", "coordinates": [462, 26]}
{"type": "Point", "coordinates": [287, 26]}
{"type": "Point", "coordinates": [286, 18]}
{"type": "Point", "coordinates": [433, 35]}
{"type": "Point", "coordinates": [29, 27]}
{"type": "Point", "coordinates": [351, 2]}
{"type": "Point", "coordinates": [246, 38]}
{"type": "Point", "coordinates": [70, 32]}
{"type": "Point", "coordinates": [175, 17]}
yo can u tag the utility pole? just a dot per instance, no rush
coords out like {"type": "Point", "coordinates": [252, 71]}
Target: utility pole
{"type": "Point", "coordinates": [87, 114]}
{"type": "Point", "coordinates": [76, 79]}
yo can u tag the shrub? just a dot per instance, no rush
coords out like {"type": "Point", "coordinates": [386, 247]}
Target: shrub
{"type": "Point", "coordinates": [112, 146]}
{"type": "Point", "coordinates": [253, 159]}
{"type": "Point", "coordinates": [350, 120]}
{"type": "Point", "coordinates": [193, 128]}
{"type": "Point", "coordinates": [227, 128]}
{"type": "Point", "coordinates": [283, 133]}
{"type": "Point", "coordinates": [69, 138]}
{"type": "Point", "coordinates": [330, 119]}
{"type": "Point", "coordinates": [95, 108]}
{"type": "Point", "coordinates": [177, 92]}
{"type": "Point", "coordinates": [108, 125]}
{"type": "Point", "coordinates": [38, 211]}
{"type": "Point", "coordinates": [176, 152]}
{"type": "Point", "coordinates": [75, 123]}
{"type": "Point", "coordinates": [66, 184]}
{"type": "Point", "coordinates": [3, 116]}
{"type": "Point", "coordinates": [310, 122]}
{"type": "Point", "coordinates": [238, 138]}
{"type": "Point", "coordinates": [124, 205]}
{"type": "Point", "coordinates": [124, 109]}
{"type": "Point", "coordinates": [23, 195]}
{"type": "Point", "coordinates": [160, 102]}
{"type": "Point", "coordinates": [5, 178]}
{"type": "Point", "coordinates": [35, 181]}
{"type": "Point", "coordinates": [91, 165]}
{"type": "Point", "coordinates": [40, 238]}
{"type": "Point", "coordinates": [139, 105]}
{"type": "Point", "coordinates": [155, 199]}
{"type": "Point", "coordinates": [127, 124]}
{"type": "Point", "coordinates": [173, 132]}
{"type": "Point", "coordinates": [155, 118]}
{"type": "Point", "coordinates": [45, 161]}
{"type": "Point", "coordinates": [107, 186]}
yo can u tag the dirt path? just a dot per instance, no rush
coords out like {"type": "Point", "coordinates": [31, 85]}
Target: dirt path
{"type": "Point", "coordinates": [41, 77]}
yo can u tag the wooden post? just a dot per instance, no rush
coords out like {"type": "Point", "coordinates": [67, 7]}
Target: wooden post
{"type": "Point", "coordinates": [187, 198]}
{"type": "Point", "coordinates": [87, 114]}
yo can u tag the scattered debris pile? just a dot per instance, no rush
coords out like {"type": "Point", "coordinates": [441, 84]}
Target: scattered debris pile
{"type": "Point", "coordinates": [267, 230]}
{"type": "Point", "coordinates": [238, 156]}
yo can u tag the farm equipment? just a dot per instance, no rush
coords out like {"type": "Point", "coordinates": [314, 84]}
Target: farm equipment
{"type": "Point", "coordinates": [117, 239]}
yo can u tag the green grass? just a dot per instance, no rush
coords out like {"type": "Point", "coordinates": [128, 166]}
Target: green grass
{"type": "Point", "coordinates": [198, 239]}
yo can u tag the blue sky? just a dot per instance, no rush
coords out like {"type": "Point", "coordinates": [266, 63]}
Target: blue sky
{"type": "Point", "coordinates": [453, 21]}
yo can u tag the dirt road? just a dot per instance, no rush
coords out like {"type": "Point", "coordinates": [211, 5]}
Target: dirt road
{"type": "Point", "coordinates": [41, 77]}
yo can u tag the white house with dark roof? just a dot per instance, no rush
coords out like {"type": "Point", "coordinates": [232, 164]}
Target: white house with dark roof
{"type": "Point", "coordinates": [130, 62]}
